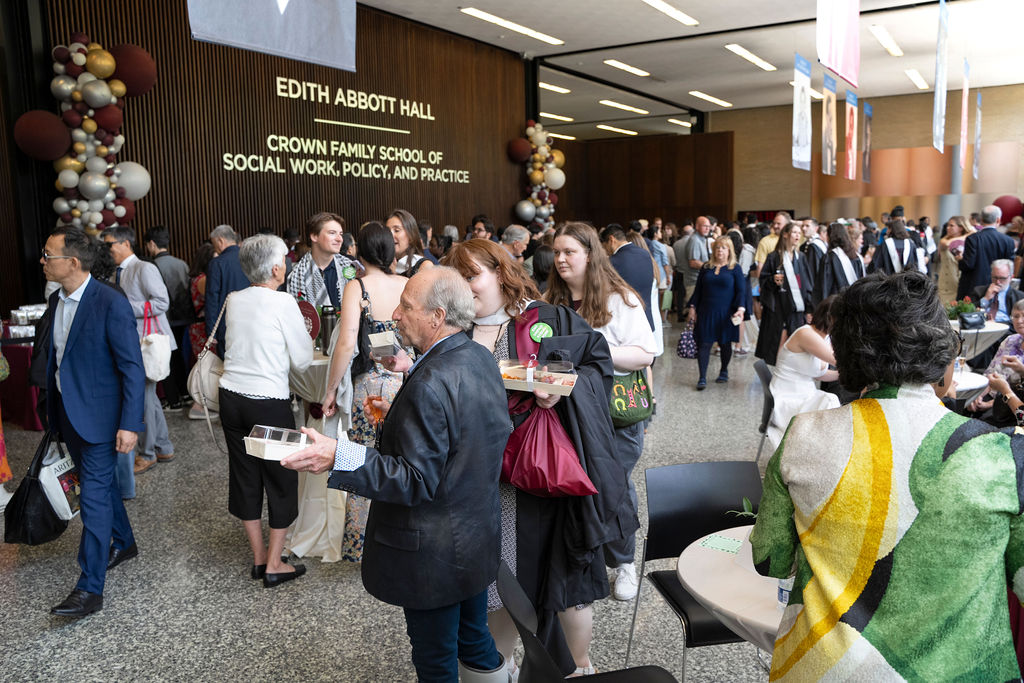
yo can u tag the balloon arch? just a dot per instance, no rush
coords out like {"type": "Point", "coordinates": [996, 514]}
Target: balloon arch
{"type": "Point", "coordinates": [543, 166]}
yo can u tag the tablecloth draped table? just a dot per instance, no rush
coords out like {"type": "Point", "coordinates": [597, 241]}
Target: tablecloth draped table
{"type": "Point", "coordinates": [969, 386]}
{"type": "Point", "coordinates": [18, 399]}
{"type": "Point", "coordinates": [976, 342]}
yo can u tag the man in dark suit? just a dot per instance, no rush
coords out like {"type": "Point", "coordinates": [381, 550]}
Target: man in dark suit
{"type": "Point", "coordinates": [997, 299]}
{"type": "Point", "coordinates": [95, 385]}
{"type": "Point", "coordinates": [224, 276]}
{"type": "Point", "coordinates": [632, 263]}
{"type": "Point", "coordinates": [432, 534]}
{"type": "Point", "coordinates": [980, 250]}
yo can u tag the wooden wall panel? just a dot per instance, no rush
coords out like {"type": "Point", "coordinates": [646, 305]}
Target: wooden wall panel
{"type": "Point", "coordinates": [210, 100]}
{"type": "Point", "coordinates": [11, 294]}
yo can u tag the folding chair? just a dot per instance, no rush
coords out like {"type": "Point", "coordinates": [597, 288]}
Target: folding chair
{"type": "Point", "coordinates": [764, 373]}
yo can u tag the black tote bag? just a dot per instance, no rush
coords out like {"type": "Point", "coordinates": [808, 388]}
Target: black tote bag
{"type": "Point", "coordinates": [29, 518]}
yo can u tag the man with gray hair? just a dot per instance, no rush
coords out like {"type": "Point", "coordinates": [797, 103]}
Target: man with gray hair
{"type": "Point", "coordinates": [224, 276]}
{"type": "Point", "coordinates": [514, 240]}
{"type": "Point", "coordinates": [980, 250]}
{"type": "Point", "coordinates": [998, 298]}
{"type": "Point", "coordinates": [432, 535]}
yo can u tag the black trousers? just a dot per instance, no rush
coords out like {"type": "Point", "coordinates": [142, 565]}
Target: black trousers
{"type": "Point", "coordinates": [249, 477]}
{"type": "Point", "coordinates": [175, 383]}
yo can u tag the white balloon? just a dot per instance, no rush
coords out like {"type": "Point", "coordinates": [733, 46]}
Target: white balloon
{"type": "Point", "coordinates": [109, 197]}
{"type": "Point", "coordinates": [530, 131]}
{"type": "Point", "coordinates": [542, 150]}
{"type": "Point", "coordinates": [554, 178]}
{"type": "Point", "coordinates": [79, 135]}
{"type": "Point", "coordinates": [85, 77]}
{"type": "Point", "coordinates": [64, 106]}
{"type": "Point", "coordinates": [58, 68]}
{"type": "Point", "coordinates": [96, 217]}
{"type": "Point", "coordinates": [109, 206]}
{"type": "Point", "coordinates": [68, 178]}
{"type": "Point", "coordinates": [96, 93]}
{"type": "Point", "coordinates": [95, 204]}
{"type": "Point", "coordinates": [134, 178]}
{"type": "Point", "coordinates": [82, 205]}
{"type": "Point", "coordinates": [77, 222]}
{"type": "Point", "coordinates": [96, 164]}
{"type": "Point", "coordinates": [119, 211]}
{"type": "Point", "coordinates": [75, 47]}
{"type": "Point", "coordinates": [78, 58]}
{"type": "Point", "coordinates": [82, 158]}
{"type": "Point", "coordinates": [93, 185]}
{"type": "Point", "coordinates": [60, 205]}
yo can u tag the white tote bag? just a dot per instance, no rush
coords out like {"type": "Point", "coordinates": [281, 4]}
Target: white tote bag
{"type": "Point", "coordinates": [58, 477]}
{"type": "Point", "coordinates": [156, 348]}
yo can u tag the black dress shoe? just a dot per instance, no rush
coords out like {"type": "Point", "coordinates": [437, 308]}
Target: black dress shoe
{"type": "Point", "coordinates": [79, 604]}
{"type": "Point", "coordinates": [258, 571]}
{"type": "Point", "coordinates": [119, 555]}
{"type": "Point", "coordinates": [274, 580]}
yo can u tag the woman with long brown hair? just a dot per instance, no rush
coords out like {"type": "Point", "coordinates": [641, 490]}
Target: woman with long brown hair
{"type": "Point", "coordinates": [785, 294]}
{"type": "Point", "coordinates": [585, 280]}
{"type": "Point", "coordinates": [957, 230]}
{"type": "Point", "coordinates": [408, 245]}
{"type": "Point", "coordinates": [558, 564]}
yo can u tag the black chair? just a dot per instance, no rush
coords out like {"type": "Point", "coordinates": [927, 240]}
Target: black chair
{"type": "Point", "coordinates": [684, 503]}
{"type": "Point", "coordinates": [764, 373]}
{"type": "Point", "coordinates": [538, 666]}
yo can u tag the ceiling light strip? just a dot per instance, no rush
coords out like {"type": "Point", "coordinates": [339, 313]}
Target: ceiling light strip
{"type": "Point", "coordinates": [511, 26]}
{"type": "Point", "coordinates": [560, 136]}
{"type": "Point", "coordinates": [669, 10]}
{"type": "Point", "coordinates": [624, 107]}
{"type": "Point", "coordinates": [915, 76]}
{"type": "Point", "coordinates": [746, 54]}
{"type": "Point", "coordinates": [886, 40]}
{"type": "Point", "coordinates": [684, 124]}
{"type": "Point", "coordinates": [613, 129]}
{"type": "Point", "coordinates": [554, 88]}
{"type": "Point", "coordinates": [814, 93]}
{"type": "Point", "coordinates": [708, 98]}
{"type": "Point", "coordinates": [557, 117]}
{"type": "Point", "coordinates": [626, 67]}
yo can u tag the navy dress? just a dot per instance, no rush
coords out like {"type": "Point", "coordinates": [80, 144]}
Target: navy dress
{"type": "Point", "coordinates": [716, 298]}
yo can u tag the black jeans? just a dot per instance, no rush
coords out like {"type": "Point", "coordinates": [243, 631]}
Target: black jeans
{"type": "Point", "coordinates": [704, 357]}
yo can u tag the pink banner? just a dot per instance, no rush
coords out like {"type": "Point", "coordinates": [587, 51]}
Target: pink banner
{"type": "Point", "coordinates": [838, 38]}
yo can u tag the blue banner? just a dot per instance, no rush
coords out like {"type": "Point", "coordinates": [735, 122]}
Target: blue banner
{"type": "Point", "coordinates": [865, 165]}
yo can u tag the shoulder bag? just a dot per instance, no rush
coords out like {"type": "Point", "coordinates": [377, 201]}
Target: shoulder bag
{"type": "Point", "coordinates": [156, 348]}
{"type": "Point", "coordinates": [361, 361]}
{"type": "Point", "coordinates": [631, 399]}
{"type": "Point", "coordinates": [204, 377]}
{"type": "Point", "coordinates": [30, 518]}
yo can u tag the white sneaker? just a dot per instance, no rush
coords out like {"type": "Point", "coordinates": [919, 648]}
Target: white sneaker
{"type": "Point", "coordinates": [625, 582]}
{"type": "Point", "coordinates": [5, 497]}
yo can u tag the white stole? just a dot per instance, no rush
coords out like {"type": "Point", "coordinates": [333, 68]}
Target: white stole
{"type": "Point", "coordinates": [794, 284]}
{"type": "Point", "coordinates": [844, 261]}
{"type": "Point", "coordinates": [897, 262]}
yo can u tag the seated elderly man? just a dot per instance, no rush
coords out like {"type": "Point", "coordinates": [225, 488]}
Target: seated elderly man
{"type": "Point", "coordinates": [997, 299]}
{"type": "Point", "coordinates": [432, 534]}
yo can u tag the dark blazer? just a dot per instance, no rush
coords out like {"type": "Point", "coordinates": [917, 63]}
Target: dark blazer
{"type": "Point", "coordinates": [1012, 297]}
{"type": "Point", "coordinates": [636, 268]}
{"type": "Point", "coordinates": [101, 375]}
{"type": "Point", "coordinates": [980, 250]}
{"type": "Point", "coordinates": [432, 534]}
{"type": "Point", "coordinates": [812, 251]}
{"type": "Point", "coordinates": [223, 276]}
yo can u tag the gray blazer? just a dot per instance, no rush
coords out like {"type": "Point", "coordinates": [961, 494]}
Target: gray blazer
{"type": "Point", "coordinates": [141, 282]}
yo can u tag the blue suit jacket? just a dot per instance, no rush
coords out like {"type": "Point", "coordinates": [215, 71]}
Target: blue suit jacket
{"type": "Point", "coordinates": [223, 277]}
{"type": "Point", "coordinates": [635, 267]}
{"type": "Point", "coordinates": [101, 375]}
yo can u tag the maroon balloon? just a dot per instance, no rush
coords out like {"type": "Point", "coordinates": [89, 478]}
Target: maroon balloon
{"type": "Point", "coordinates": [80, 37]}
{"type": "Point", "coordinates": [108, 217]}
{"type": "Point", "coordinates": [530, 123]}
{"type": "Point", "coordinates": [66, 216]}
{"type": "Point", "coordinates": [110, 158]}
{"type": "Point", "coordinates": [129, 209]}
{"type": "Point", "coordinates": [73, 70]}
{"type": "Point", "coordinates": [81, 107]}
{"type": "Point", "coordinates": [70, 193]}
{"type": "Point", "coordinates": [108, 140]}
{"type": "Point", "coordinates": [99, 134]}
{"type": "Point", "coordinates": [42, 135]}
{"type": "Point", "coordinates": [72, 119]}
{"type": "Point", "coordinates": [120, 192]}
{"type": "Point", "coordinates": [109, 172]}
{"type": "Point", "coordinates": [519, 150]}
{"type": "Point", "coordinates": [542, 195]}
{"type": "Point", "coordinates": [120, 103]}
{"type": "Point", "coordinates": [109, 118]}
{"type": "Point", "coordinates": [553, 198]}
{"type": "Point", "coordinates": [1011, 206]}
{"type": "Point", "coordinates": [61, 54]}
{"type": "Point", "coordinates": [135, 68]}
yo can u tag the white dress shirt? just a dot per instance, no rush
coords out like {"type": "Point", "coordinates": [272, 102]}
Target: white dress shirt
{"type": "Point", "coordinates": [64, 316]}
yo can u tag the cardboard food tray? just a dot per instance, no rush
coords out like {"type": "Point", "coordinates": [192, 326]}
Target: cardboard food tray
{"type": "Point", "coordinates": [383, 344]}
{"type": "Point", "coordinates": [272, 443]}
{"type": "Point", "coordinates": [513, 376]}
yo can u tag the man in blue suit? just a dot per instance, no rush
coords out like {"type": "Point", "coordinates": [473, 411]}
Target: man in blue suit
{"type": "Point", "coordinates": [95, 385]}
{"type": "Point", "coordinates": [225, 276]}
{"type": "Point", "coordinates": [980, 250]}
{"type": "Point", "coordinates": [632, 263]}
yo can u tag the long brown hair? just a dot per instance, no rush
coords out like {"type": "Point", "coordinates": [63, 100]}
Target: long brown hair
{"type": "Point", "coordinates": [412, 231]}
{"type": "Point", "coordinates": [516, 286]}
{"type": "Point", "coordinates": [600, 280]}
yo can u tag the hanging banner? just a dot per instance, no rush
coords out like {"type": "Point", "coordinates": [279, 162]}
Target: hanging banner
{"type": "Point", "coordinates": [865, 164]}
{"type": "Point", "coordinates": [939, 106]}
{"type": "Point", "coordinates": [963, 116]}
{"type": "Point", "coordinates": [837, 36]}
{"type": "Point", "coordinates": [977, 138]}
{"type": "Point", "coordinates": [828, 127]}
{"type": "Point", "coordinates": [802, 114]}
{"type": "Point", "coordinates": [851, 136]}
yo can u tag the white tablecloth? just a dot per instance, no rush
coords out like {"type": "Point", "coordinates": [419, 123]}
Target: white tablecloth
{"type": "Point", "coordinates": [729, 587]}
{"type": "Point", "coordinates": [978, 341]}
{"type": "Point", "coordinates": [969, 385]}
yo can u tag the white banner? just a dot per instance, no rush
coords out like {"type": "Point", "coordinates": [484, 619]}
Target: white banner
{"type": "Point", "coordinates": [977, 138]}
{"type": "Point", "coordinates": [802, 114]}
{"type": "Point", "coordinates": [939, 106]}
{"type": "Point", "coordinates": [828, 127]}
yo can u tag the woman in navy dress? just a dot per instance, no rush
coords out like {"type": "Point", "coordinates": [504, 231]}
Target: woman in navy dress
{"type": "Point", "coordinates": [720, 293]}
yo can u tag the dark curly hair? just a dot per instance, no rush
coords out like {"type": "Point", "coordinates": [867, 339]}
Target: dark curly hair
{"type": "Point", "coordinates": [891, 330]}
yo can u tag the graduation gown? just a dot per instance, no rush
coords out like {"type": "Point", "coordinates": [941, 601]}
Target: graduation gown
{"type": "Point", "coordinates": [832, 277]}
{"type": "Point", "coordinates": [778, 309]}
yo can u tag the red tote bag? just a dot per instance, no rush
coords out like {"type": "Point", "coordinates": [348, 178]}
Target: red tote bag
{"type": "Point", "coordinates": [541, 460]}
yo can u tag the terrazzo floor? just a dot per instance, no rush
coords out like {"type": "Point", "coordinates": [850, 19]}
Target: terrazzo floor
{"type": "Point", "coordinates": [185, 609]}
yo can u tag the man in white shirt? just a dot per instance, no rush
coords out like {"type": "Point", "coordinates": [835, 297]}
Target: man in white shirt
{"type": "Point", "coordinates": [321, 274]}
{"type": "Point", "coordinates": [142, 284]}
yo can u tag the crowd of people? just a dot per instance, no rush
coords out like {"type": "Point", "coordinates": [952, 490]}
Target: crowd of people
{"type": "Point", "coordinates": [429, 508]}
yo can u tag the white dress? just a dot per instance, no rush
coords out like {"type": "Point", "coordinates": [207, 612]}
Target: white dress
{"type": "Point", "coordinates": [793, 386]}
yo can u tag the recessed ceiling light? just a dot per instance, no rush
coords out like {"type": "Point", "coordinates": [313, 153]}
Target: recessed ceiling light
{"type": "Point", "coordinates": [626, 67]}
{"type": "Point", "coordinates": [750, 56]}
{"type": "Point", "coordinates": [557, 117]}
{"type": "Point", "coordinates": [685, 124]}
{"type": "Point", "coordinates": [624, 107]}
{"type": "Point", "coordinates": [671, 11]}
{"type": "Point", "coordinates": [814, 93]}
{"type": "Point", "coordinates": [613, 129]}
{"type": "Point", "coordinates": [511, 26]}
{"type": "Point", "coordinates": [915, 76]}
{"type": "Point", "coordinates": [709, 98]}
{"type": "Point", "coordinates": [560, 136]}
{"type": "Point", "coordinates": [881, 34]}
{"type": "Point", "coordinates": [554, 88]}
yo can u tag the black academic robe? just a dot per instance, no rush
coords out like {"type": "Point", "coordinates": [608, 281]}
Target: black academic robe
{"type": "Point", "coordinates": [814, 251]}
{"type": "Point", "coordinates": [832, 278]}
{"type": "Point", "coordinates": [778, 309]}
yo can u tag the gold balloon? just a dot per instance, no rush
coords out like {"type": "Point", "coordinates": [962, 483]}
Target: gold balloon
{"type": "Point", "coordinates": [536, 202]}
{"type": "Point", "coordinates": [93, 46]}
{"type": "Point", "coordinates": [559, 156]}
{"type": "Point", "coordinates": [68, 163]}
{"type": "Point", "coordinates": [100, 63]}
{"type": "Point", "coordinates": [536, 177]}
{"type": "Point", "coordinates": [538, 165]}
{"type": "Point", "coordinates": [89, 126]}
{"type": "Point", "coordinates": [76, 213]}
{"type": "Point", "coordinates": [101, 151]}
{"type": "Point", "coordinates": [92, 232]}
{"type": "Point", "coordinates": [79, 148]}
{"type": "Point", "coordinates": [117, 88]}
{"type": "Point", "coordinates": [76, 95]}
{"type": "Point", "coordinates": [60, 188]}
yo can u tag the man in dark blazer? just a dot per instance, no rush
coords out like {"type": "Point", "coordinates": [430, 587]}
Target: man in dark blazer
{"type": "Point", "coordinates": [432, 534]}
{"type": "Point", "coordinates": [224, 276]}
{"type": "Point", "coordinates": [632, 263]}
{"type": "Point", "coordinates": [997, 298]}
{"type": "Point", "coordinates": [95, 385]}
{"type": "Point", "coordinates": [980, 250]}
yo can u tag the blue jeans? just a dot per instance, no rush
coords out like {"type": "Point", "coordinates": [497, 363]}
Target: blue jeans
{"type": "Point", "coordinates": [441, 637]}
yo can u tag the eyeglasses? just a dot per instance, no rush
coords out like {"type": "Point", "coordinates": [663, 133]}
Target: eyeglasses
{"type": "Point", "coordinates": [50, 257]}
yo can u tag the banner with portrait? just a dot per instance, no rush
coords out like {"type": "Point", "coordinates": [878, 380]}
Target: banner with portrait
{"type": "Point", "coordinates": [939, 105]}
{"type": "Point", "coordinates": [837, 38]}
{"type": "Point", "coordinates": [851, 136]}
{"type": "Point", "coordinates": [802, 114]}
{"type": "Point", "coordinates": [828, 127]}
{"type": "Point", "coordinates": [865, 164]}
{"type": "Point", "coordinates": [977, 138]}
{"type": "Point", "coordinates": [964, 103]}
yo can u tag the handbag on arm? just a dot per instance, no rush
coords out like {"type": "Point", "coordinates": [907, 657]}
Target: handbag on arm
{"type": "Point", "coordinates": [204, 377]}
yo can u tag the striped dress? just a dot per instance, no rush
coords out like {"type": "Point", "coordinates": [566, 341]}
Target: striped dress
{"type": "Point", "coordinates": [903, 524]}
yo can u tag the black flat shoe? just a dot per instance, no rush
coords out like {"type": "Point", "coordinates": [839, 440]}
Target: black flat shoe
{"type": "Point", "coordinates": [722, 378]}
{"type": "Point", "coordinates": [275, 580]}
{"type": "Point", "coordinates": [701, 384]}
{"type": "Point", "coordinates": [79, 604]}
{"type": "Point", "coordinates": [119, 555]}
{"type": "Point", "coordinates": [258, 571]}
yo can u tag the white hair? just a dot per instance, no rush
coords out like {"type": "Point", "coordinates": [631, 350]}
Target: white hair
{"type": "Point", "coordinates": [259, 254]}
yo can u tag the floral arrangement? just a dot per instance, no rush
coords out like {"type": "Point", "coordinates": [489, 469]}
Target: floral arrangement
{"type": "Point", "coordinates": [955, 308]}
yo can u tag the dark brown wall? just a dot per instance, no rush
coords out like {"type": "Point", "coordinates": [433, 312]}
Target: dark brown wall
{"type": "Point", "coordinates": [672, 176]}
{"type": "Point", "coordinates": [211, 99]}
{"type": "Point", "coordinates": [11, 295]}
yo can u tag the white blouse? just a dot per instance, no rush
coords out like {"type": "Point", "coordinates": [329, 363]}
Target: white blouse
{"type": "Point", "coordinates": [628, 326]}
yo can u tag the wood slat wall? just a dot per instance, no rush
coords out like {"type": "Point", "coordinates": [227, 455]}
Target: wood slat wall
{"type": "Point", "coordinates": [211, 99]}
{"type": "Point", "coordinates": [11, 295]}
